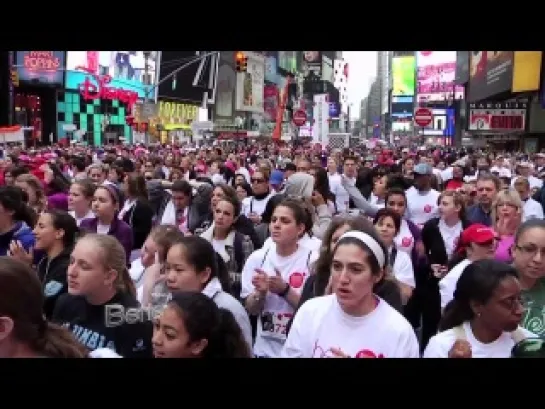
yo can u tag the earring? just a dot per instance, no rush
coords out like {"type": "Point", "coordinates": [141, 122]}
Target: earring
{"type": "Point", "coordinates": [478, 314]}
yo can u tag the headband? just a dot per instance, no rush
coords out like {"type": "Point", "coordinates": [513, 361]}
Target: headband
{"type": "Point", "coordinates": [369, 242]}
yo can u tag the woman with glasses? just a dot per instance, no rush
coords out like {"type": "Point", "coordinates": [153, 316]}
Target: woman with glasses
{"type": "Point", "coordinates": [477, 242]}
{"type": "Point", "coordinates": [482, 320]}
{"type": "Point", "coordinates": [529, 260]}
{"type": "Point", "coordinates": [255, 205]}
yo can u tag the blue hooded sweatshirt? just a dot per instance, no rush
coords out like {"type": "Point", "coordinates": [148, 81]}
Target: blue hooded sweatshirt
{"type": "Point", "coordinates": [21, 232]}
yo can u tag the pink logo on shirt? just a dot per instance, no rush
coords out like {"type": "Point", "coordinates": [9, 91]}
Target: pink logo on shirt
{"type": "Point", "coordinates": [406, 241]}
{"type": "Point", "coordinates": [366, 353]}
{"type": "Point", "coordinates": [427, 209]}
{"type": "Point", "coordinates": [296, 280]}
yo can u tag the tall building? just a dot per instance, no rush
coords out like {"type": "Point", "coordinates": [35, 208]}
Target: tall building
{"type": "Point", "coordinates": [374, 109]}
{"type": "Point", "coordinates": [384, 77]}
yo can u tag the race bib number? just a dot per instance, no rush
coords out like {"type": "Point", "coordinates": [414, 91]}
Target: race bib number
{"type": "Point", "coordinates": [274, 324]}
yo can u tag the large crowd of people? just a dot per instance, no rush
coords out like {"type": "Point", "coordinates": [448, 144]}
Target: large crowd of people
{"type": "Point", "coordinates": [264, 251]}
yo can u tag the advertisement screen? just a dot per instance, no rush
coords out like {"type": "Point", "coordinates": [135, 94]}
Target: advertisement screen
{"type": "Point", "coordinates": [402, 107]}
{"type": "Point", "coordinates": [43, 67]}
{"type": "Point", "coordinates": [490, 73]}
{"type": "Point", "coordinates": [287, 60]}
{"type": "Point", "coordinates": [271, 65]}
{"type": "Point", "coordinates": [127, 68]}
{"type": "Point", "coordinates": [435, 72]}
{"type": "Point", "coordinates": [526, 71]}
{"type": "Point", "coordinates": [462, 67]}
{"type": "Point", "coordinates": [403, 75]}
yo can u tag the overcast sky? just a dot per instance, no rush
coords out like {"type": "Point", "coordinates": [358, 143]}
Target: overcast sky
{"type": "Point", "coordinates": [362, 69]}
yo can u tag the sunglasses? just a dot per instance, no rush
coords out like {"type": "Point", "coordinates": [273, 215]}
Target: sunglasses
{"type": "Point", "coordinates": [257, 180]}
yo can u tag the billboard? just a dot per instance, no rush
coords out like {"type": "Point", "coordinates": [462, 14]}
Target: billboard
{"type": "Point", "coordinates": [490, 73]}
{"type": "Point", "coordinates": [497, 116]}
{"type": "Point", "coordinates": [403, 75]}
{"type": "Point", "coordinates": [126, 68]}
{"type": "Point", "coordinates": [526, 71]}
{"type": "Point", "coordinates": [40, 67]}
{"type": "Point", "coordinates": [250, 88]}
{"type": "Point", "coordinates": [462, 67]}
{"type": "Point", "coordinates": [312, 63]}
{"type": "Point", "coordinates": [402, 107]}
{"type": "Point", "coordinates": [271, 67]}
{"type": "Point", "coordinates": [287, 60]}
{"type": "Point", "coordinates": [435, 71]}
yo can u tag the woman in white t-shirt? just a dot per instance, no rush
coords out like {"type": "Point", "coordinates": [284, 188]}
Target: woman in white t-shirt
{"type": "Point", "coordinates": [387, 224]}
{"type": "Point", "coordinates": [482, 321]}
{"type": "Point", "coordinates": [272, 279]}
{"type": "Point", "coordinates": [353, 321]}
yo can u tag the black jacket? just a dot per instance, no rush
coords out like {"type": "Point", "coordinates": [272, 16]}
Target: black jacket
{"type": "Point", "coordinates": [52, 274]}
{"type": "Point", "coordinates": [140, 218]}
{"type": "Point", "coordinates": [102, 326]}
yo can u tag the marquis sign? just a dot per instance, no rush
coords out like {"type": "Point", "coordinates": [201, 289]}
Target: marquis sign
{"type": "Point", "coordinates": [96, 87]}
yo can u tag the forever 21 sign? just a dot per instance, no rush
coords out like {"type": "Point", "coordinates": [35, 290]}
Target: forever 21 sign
{"type": "Point", "coordinates": [498, 117]}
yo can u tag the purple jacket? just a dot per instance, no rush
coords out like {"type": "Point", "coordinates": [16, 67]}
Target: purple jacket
{"type": "Point", "coordinates": [58, 201]}
{"type": "Point", "coordinates": [119, 229]}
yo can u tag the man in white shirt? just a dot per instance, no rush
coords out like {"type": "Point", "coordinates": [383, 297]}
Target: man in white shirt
{"type": "Point", "coordinates": [532, 209]}
{"type": "Point", "coordinates": [335, 185]}
{"type": "Point", "coordinates": [421, 198]}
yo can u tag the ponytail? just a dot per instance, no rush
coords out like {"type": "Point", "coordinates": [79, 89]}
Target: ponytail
{"type": "Point", "coordinates": [125, 282]}
{"type": "Point", "coordinates": [454, 314]}
{"type": "Point", "coordinates": [58, 342]}
{"type": "Point", "coordinates": [227, 340]}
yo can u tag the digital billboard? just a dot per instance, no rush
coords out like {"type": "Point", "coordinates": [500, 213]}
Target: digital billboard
{"type": "Point", "coordinates": [287, 60]}
{"type": "Point", "coordinates": [42, 67]}
{"type": "Point", "coordinates": [403, 76]}
{"type": "Point", "coordinates": [402, 107]}
{"type": "Point", "coordinates": [127, 68]}
{"type": "Point", "coordinates": [490, 73]}
{"type": "Point", "coordinates": [435, 73]}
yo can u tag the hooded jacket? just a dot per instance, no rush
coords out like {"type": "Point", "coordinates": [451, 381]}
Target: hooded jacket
{"type": "Point", "coordinates": [21, 232]}
{"type": "Point", "coordinates": [52, 274]}
{"type": "Point", "coordinates": [118, 229]}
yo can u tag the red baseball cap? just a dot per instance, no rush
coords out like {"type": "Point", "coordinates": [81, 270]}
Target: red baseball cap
{"type": "Point", "coordinates": [477, 233]}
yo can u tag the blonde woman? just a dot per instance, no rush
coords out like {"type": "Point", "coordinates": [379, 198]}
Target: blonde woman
{"type": "Point", "coordinates": [507, 213]}
{"type": "Point", "coordinates": [100, 307]}
{"type": "Point", "coordinates": [34, 189]}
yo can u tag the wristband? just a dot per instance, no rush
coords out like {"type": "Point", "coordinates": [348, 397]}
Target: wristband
{"type": "Point", "coordinates": [284, 291]}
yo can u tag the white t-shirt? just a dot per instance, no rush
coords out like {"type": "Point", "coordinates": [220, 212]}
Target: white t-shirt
{"type": "Point", "coordinates": [403, 268]}
{"type": "Point", "coordinates": [321, 324]}
{"type": "Point", "coordinates": [271, 324]}
{"type": "Point", "coordinates": [440, 344]}
{"type": "Point", "coordinates": [532, 210]}
{"type": "Point", "coordinates": [312, 243]}
{"type": "Point", "coordinates": [89, 215]}
{"type": "Point", "coordinates": [341, 195]}
{"type": "Point", "coordinates": [375, 201]}
{"type": "Point", "coordinates": [103, 228]}
{"type": "Point", "coordinates": [450, 235]}
{"type": "Point", "coordinates": [421, 207]}
{"type": "Point", "coordinates": [447, 284]}
{"type": "Point", "coordinates": [251, 204]}
{"type": "Point", "coordinates": [404, 240]}
{"type": "Point", "coordinates": [219, 245]}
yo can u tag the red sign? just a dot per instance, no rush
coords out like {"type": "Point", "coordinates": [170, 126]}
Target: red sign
{"type": "Point", "coordinates": [89, 90]}
{"type": "Point", "coordinates": [423, 117]}
{"type": "Point", "coordinates": [497, 117]}
{"type": "Point", "coordinates": [299, 117]}
{"type": "Point", "coordinates": [41, 61]}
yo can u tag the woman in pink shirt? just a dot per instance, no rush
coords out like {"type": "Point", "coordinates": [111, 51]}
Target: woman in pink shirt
{"type": "Point", "coordinates": [507, 216]}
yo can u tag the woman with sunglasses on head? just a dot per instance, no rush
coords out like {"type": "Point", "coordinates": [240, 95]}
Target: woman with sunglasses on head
{"type": "Point", "coordinates": [100, 306]}
{"type": "Point", "coordinates": [353, 321]}
{"type": "Point", "coordinates": [80, 200]}
{"type": "Point", "coordinates": [507, 214]}
{"type": "Point", "coordinates": [272, 279]}
{"type": "Point", "coordinates": [193, 326]}
{"type": "Point", "coordinates": [106, 203]}
{"type": "Point", "coordinates": [529, 260]}
{"type": "Point", "coordinates": [24, 331]}
{"type": "Point", "coordinates": [482, 320]}
{"type": "Point", "coordinates": [477, 242]}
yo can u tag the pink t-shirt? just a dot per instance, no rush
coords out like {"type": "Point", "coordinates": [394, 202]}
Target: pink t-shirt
{"type": "Point", "coordinates": [503, 252]}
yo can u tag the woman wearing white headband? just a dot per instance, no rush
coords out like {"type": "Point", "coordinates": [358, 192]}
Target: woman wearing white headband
{"type": "Point", "coordinates": [353, 321]}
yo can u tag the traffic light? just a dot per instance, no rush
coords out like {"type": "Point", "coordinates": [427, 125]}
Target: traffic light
{"type": "Point", "coordinates": [241, 61]}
